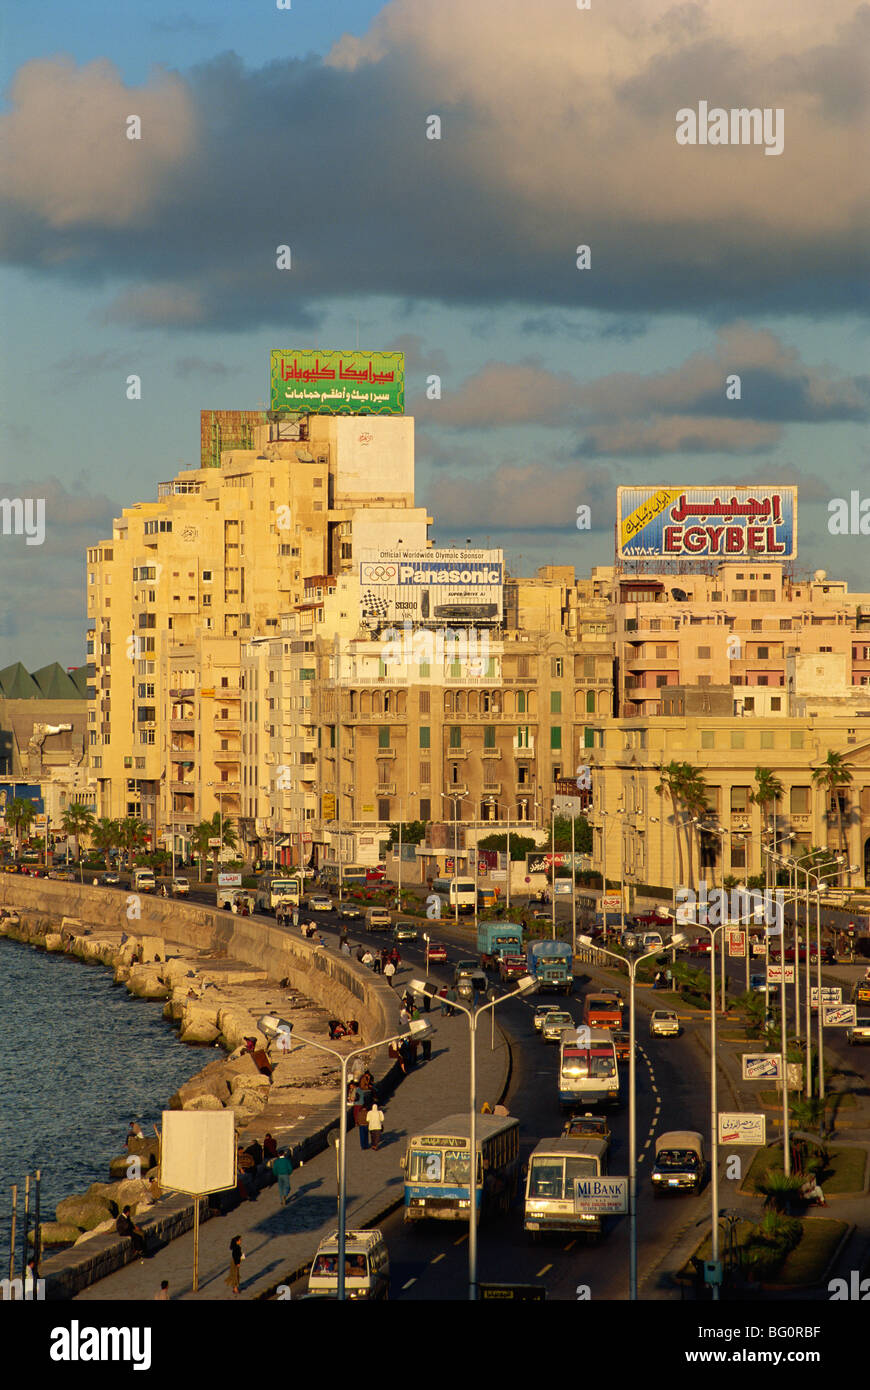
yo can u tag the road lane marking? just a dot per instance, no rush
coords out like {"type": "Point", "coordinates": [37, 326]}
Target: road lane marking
{"type": "Point", "coordinates": [541, 1272]}
{"type": "Point", "coordinates": [570, 1245]}
{"type": "Point", "coordinates": [408, 1285]}
{"type": "Point", "coordinates": [461, 1239]}
{"type": "Point", "coordinates": [437, 1258]}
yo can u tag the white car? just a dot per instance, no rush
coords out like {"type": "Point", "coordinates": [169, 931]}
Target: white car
{"type": "Point", "coordinates": [180, 887]}
{"type": "Point", "coordinates": [664, 1024]}
{"type": "Point", "coordinates": [860, 1032]}
{"type": "Point", "coordinates": [319, 902]}
{"type": "Point", "coordinates": [554, 1025]}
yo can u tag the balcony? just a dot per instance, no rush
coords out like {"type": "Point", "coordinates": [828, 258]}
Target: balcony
{"type": "Point", "coordinates": [182, 726]}
{"type": "Point", "coordinates": [231, 724]}
{"type": "Point", "coordinates": [491, 789]}
{"type": "Point", "coordinates": [188, 788]}
{"type": "Point", "coordinates": [178, 692]}
{"type": "Point", "coordinates": [386, 789]}
{"type": "Point", "coordinates": [227, 789]}
{"type": "Point", "coordinates": [456, 789]}
{"type": "Point", "coordinates": [490, 753]}
{"type": "Point", "coordinates": [455, 754]}
{"type": "Point", "coordinates": [386, 753]}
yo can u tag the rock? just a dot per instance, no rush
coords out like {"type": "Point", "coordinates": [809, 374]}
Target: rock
{"type": "Point", "coordinates": [122, 974]}
{"type": "Point", "coordinates": [100, 1230]}
{"type": "Point", "coordinates": [53, 941]}
{"type": "Point", "coordinates": [215, 1080]}
{"type": "Point", "coordinates": [201, 1102]}
{"type": "Point", "coordinates": [145, 983]}
{"type": "Point", "coordinates": [176, 970]}
{"type": "Point", "coordinates": [236, 1025]}
{"type": "Point", "coordinates": [201, 1032]}
{"type": "Point", "coordinates": [258, 1083]}
{"type": "Point", "coordinates": [84, 1212]}
{"type": "Point", "coordinates": [57, 1233]}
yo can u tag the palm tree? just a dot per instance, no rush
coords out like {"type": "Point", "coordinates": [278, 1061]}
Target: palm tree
{"type": "Point", "coordinates": [833, 774]}
{"type": "Point", "coordinates": [692, 794]}
{"type": "Point", "coordinates": [106, 836]}
{"type": "Point", "coordinates": [670, 785]}
{"type": "Point", "coordinates": [221, 828]}
{"type": "Point", "coordinates": [131, 834]}
{"type": "Point", "coordinates": [77, 820]}
{"type": "Point", "coordinates": [768, 790]}
{"type": "Point", "coordinates": [199, 838]}
{"type": "Point", "coordinates": [19, 818]}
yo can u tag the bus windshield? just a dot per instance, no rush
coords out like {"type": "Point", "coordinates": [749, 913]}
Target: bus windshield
{"type": "Point", "coordinates": [595, 1062]}
{"type": "Point", "coordinates": [554, 1177]}
{"type": "Point", "coordinates": [447, 1166]}
{"type": "Point", "coordinates": [355, 1266]}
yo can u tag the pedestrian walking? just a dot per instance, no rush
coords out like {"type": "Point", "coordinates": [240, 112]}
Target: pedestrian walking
{"type": "Point", "coordinates": [162, 1294]}
{"type": "Point", "coordinates": [345, 947]}
{"type": "Point", "coordinates": [389, 972]}
{"type": "Point", "coordinates": [375, 1122]}
{"type": "Point", "coordinates": [236, 1257]}
{"type": "Point", "coordinates": [427, 1049]}
{"type": "Point", "coordinates": [282, 1167]}
{"type": "Point", "coordinates": [360, 1112]}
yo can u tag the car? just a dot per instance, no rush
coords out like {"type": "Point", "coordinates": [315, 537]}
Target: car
{"type": "Point", "coordinates": [664, 1024]}
{"type": "Point", "coordinates": [64, 875]}
{"type": "Point", "coordinates": [614, 994]}
{"type": "Point", "coordinates": [554, 1025]}
{"type": "Point", "coordinates": [350, 912]}
{"type": "Point", "coordinates": [540, 1013]}
{"type": "Point", "coordinates": [757, 984]}
{"type": "Point", "coordinates": [318, 902]}
{"type": "Point", "coordinates": [776, 954]}
{"type": "Point", "coordinates": [630, 940]}
{"type": "Point", "coordinates": [110, 879]}
{"type": "Point", "coordinates": [859, 1032]}
{"type": "Point", "coordinates": [700, 946]}
{"type": "Point", "coordinates": [511, 967]}
{"type": "Point", "coordinates": [378, 919]}
{"type": "Point", "coordinates": [471, 971]}
{"type": "Point", "coordinates": [180, 887]}
{"type": "Point", "coordinates": [405, 931]}
{"type": "Point", "coordinates": [596, 1126]}
{"type": "Point", "coordinates": [437, 950]}
{"type": "Point", "coordinates": [679, 1163]}
{"type": "Point", "coordinates": [622, 1043]}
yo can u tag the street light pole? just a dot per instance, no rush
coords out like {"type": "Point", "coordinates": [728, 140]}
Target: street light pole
{"type": "Point", "coordinates": [553, 865]}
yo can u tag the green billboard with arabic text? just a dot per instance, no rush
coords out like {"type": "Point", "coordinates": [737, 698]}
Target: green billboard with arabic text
{"type": "Point", "coordinates": [330, 382]}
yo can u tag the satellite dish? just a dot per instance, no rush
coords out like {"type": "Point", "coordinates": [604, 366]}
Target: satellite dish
{"type": "Point", "coordinates": [304, 456]}
{"type": "Point", "coordinates": [820, 575]}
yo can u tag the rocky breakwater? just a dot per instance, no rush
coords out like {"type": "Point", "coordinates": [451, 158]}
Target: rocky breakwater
{"type": "Point", "coordinates": [213, 999]}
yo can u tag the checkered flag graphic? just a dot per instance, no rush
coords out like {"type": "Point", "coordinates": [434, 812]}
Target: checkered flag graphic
{"type": "Point", "coordinates": [373, 607]}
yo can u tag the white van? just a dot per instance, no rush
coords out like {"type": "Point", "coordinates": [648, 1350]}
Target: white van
{"type": "Point", "coordinates": [366, 1266]}
{"type": "Point", "coordinates": [652, 941]}
{"type": "Point", "coordinates": [144, 881]}
{"type": "Point", "coordinates": [378, 919]}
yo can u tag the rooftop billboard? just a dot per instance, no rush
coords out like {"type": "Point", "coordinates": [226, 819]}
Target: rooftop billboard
{"type": "Point", "coordinates": [678, 523]}
{"type": "Point", "coordinates": [444, 586]}
{"type": "Point", "coordinates": [330, 382]}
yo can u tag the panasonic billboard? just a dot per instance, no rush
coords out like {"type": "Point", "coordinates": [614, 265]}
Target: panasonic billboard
{"type": "Point", "coordinates": [442, 586]}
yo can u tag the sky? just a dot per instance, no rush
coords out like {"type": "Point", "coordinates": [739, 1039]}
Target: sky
{"type": "Point", "coordinates": [308, 127]}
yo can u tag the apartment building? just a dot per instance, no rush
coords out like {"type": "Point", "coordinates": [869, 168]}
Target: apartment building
{"type": "Point", "coordinates": [213, 562]}
{"type": "Point", "coordinates": [633, 825]}
{"type": "Point", "coordinates": [735, 626]}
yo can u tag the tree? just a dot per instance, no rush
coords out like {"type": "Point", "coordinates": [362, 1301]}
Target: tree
{"type": "Point", "coordinates": [768, 791]}
{"type": "Point", "coordinates": [199, 839]}
{"type": "Point", "coordinates": [106, 836]}
{"type": "Point", "coordinates": [692, 794]}
{"type": "Point", "coordinates": [582, 834]}
{"type": "Point", "coordinates": [833, 774]}
{"type": "Point", "coordinates": [222, 829]}
{"type": "Point", "coordinates": [521, 845]}
{"type": "Point", "coordinates": [78, 820]}
{"type": "Point", "coordinates": [19, 818]}
{"type": "Point", "coordinates": [131, 834]}
{"type": "Point", "coordinates": [670, 785]}
{"type": "Point", "coordinates": [413, 833]}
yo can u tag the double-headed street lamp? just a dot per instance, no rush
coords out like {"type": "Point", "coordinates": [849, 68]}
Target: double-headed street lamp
{"type": "Point", "coordinates": [491, 801]}
{"type": "Point", "coordinates": [604, 815]}
{"type": "Point", "coordinates": [526, 984]}
{"type": "Point", "coordinates": [273, 1027]}
{"type": "Point", "coordinates": [456, 797]}
{"type": "Point", "coordinates": [631, 966]}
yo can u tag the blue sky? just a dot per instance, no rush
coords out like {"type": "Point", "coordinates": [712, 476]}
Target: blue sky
{"type": "Point", "coordinates": [307, 127]}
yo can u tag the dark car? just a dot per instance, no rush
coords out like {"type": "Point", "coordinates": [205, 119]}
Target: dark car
{"type": "Point", "coordinates": [350, 912]}
{"type": "Point", "coordinates": [596, 1126]}
{"type": "Point", "coordinates": [622, 1043]}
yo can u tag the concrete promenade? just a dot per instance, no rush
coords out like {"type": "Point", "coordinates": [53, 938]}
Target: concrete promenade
{"type": "Point", "coordinates": [278, 1241]}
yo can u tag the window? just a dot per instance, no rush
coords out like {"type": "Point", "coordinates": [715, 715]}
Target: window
{"type": "Point", "coordinates": [425, 774]}
{"type": "Point", "coordinates": [767, 738]}
{"type": "Point", "coordinates": [763, 654]}
{"type": "Point", "coordinates": [523, 736]}
{"type": "Point", "coordinates": [424, 701]}
{"type": "Point", "coordinates": [522, 666]}
{"type": "Point", "coordinates": [655, 624]}
{"type": "Point", "coordinates": [521, 702]}
{"type": "Point", "coordinates": [785, 624]}
{"type": "Point", "coordinates": [740, 800]}
{"type": "Point", "coordinates": [738, 854]}
{"type": "Point", "coordinates": [661, 652]}
{"type": "Point", "coordinates": [556, 666]}
{"type": "Point", "coordinates": [589, 667]}
{"type": "Point", "coordinates": [703, 653]}
{"type": "Point", "coordinates": [738, 738]}
{"type": "Point", "coordinates": [708, 738]}
{"type": "Point", "coordinates": [383, 808]}
{"type": "Point", "coordinates": [757, 624]}
{"type": "Point", "coordinates": [489, 736]}
{"type": "Point", "coordinates": [206, 576]}
{"type": "Point", "coordinates": [660, 681]}
{"type": "Point", "coordinates": [705, 680]}
{"type": "Point", "coordinates": [555, 702]}
{"type": "Point", "coordinates": [738, 596]}
{"type": "Point", "coordinates": [425, 733]}
{"type": "Point", "coordinates": [555, 737]}
{"type": "Point", "coordinates": [796, 738]}
{"type": "Point", "coordinates": [590, 701]}
{"type": "Point", "coordinates": [455, 736]}
{"type": "Point", "coordinates": [424, 671]}
{"type": "Point", "coordinates": [767, 595]}
{"type": "Point", "coordinates": [425, 808]}
{"type": "Point", "coordinates": [799, 801]}
{"type": "Point", "coordinates": [749, 702]}
{"type": "Point", "coordinates": [384, 736]}
{"type": "Point", "coordinates": [588, 737]}
{"type": "Point", "coordinates": [776, 702]}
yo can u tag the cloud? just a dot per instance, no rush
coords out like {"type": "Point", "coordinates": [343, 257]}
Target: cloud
{"type": "Point", "coordinates": [682, 409]}
{"type": "Point", "coordinates": [558, 130]}
{"type": "Point", "coordinates": [522, 497]}
{"type": "Point", "coordinates": [186, 367]}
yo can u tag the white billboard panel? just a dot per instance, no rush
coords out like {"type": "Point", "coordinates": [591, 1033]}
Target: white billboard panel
{"type": "Point", "coordinates": [198, 1151]}
{"type": "Point", "coordinates": [453, 587]}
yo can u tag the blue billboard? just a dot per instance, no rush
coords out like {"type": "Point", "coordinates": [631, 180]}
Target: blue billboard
{"type": "Point", "coordinates": [726, 523]}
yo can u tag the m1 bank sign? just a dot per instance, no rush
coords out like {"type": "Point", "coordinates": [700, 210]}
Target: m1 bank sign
{"type": "Point", "coordinates": [679, 523]}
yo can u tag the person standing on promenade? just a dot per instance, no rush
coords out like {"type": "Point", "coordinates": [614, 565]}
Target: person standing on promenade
{"type": "Point", "coordinates": [236, 1257]}
{"type": "Point", "coordinates": [270, 1148]}
{"type": "Point", "coordinates": [375, 1122]}
{"type": "Point", "coordinates": [162, 1294]}
{"type": "Point", "coordinates": [360, 1111]}
{"type": "Point", "coordinates": [282, 1167]}
{"type": "Point", "coordinates": [389, 972]}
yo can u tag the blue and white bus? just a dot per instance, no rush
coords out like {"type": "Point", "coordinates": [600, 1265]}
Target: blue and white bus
{"type": "Point", "coordinates": [437, 1168]}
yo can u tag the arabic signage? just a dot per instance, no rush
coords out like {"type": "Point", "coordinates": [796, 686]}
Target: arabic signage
{"type": "Point", "coordinates": [839, 1015]}
{"type": "Point", "coordinates": [762, 1066]}
{"type": "Point", "coordinates": [774, 974]}
{"type": "Point", "coordinates": [742, 1129]}
{"type": "Point", "coordinates": [600, 1196]}
{"type": "Point", "coordinates": [327, 382]}
{"type": "Point", "coordinates": [756, 523]}
{"type": "Point", "coordinates": [736, 943]}
{"type": "Point", "coordinates": [831, 994]}
{"type": "Point", "coordinates": [229, 880]}
{"type": "Point", "coordinates": [543, 863]}
{"type": "Point", "coordinates": [455, 587]}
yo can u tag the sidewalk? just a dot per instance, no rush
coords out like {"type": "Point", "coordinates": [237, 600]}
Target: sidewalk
{"type": "Point", "coordinates": [278, 1242]}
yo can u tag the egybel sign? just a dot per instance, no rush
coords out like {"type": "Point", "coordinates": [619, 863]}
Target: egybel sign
{"type": "Point", "coordinates": [678, 523]}
{"type": "Point", "coordinates": [327, 382]}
